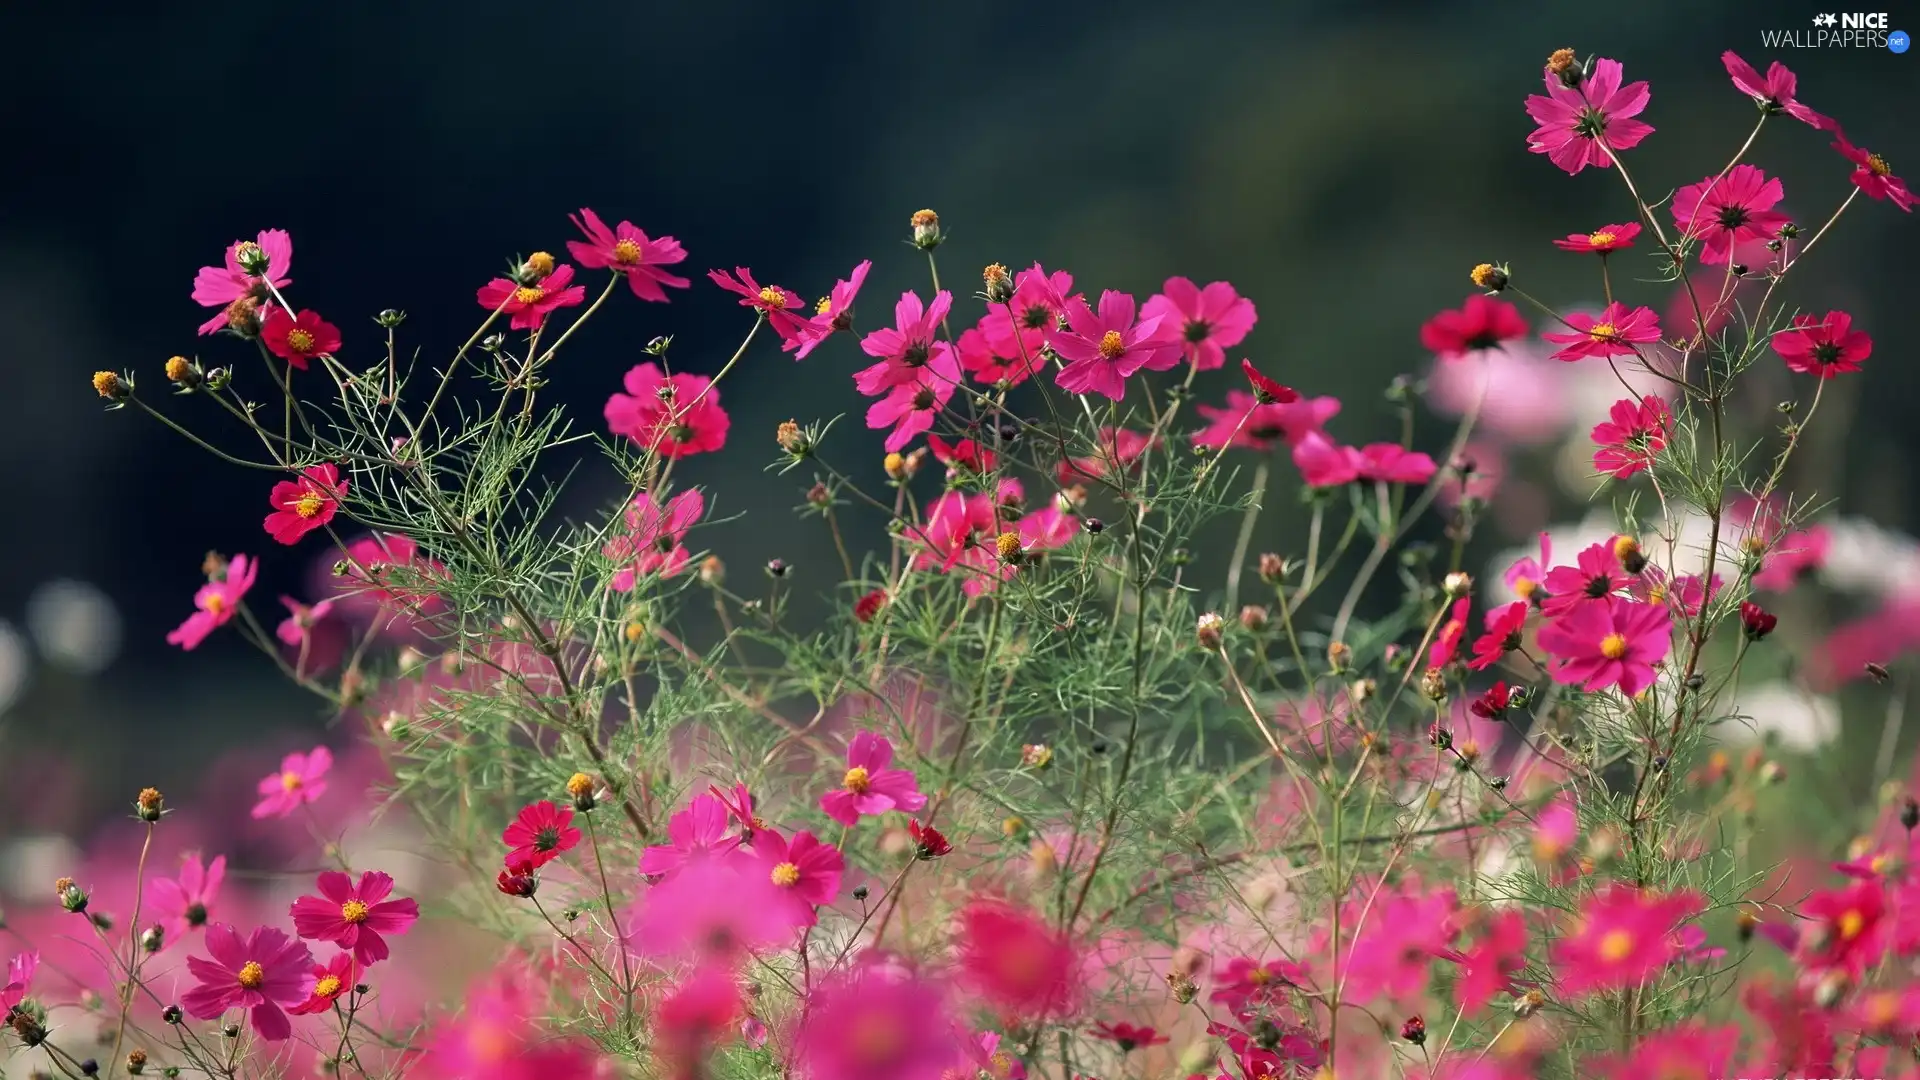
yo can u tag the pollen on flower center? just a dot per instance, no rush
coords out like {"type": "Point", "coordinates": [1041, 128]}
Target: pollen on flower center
{"type": "Point", "coordinates": [1112, 345]}
{"type": "Point", "coordinates": [786, 875]}
{"type": "Point", "coordinates": [1525, 587]}
{"type": "Point", "coordinates": [1259, 976]}
{"type": "Point", "coordinates": [528, 294]}
{"type": "Point", "coordinates": [626, 252]}
{"type": "Point", "coordinates": [327, 987]}
{"type": "Point", "coordinates": [773, 297]}
{"type": "Point", "coordinates": [1850, 924]}
{"type": "Point", "coordinates": [216, 603]}
{"type": "Point", "coordinates": [1602, 331]}
{"type": "Point", "coordinates": [299, 340]}
{"type": "Point", "coordinates": [857, 780]}
{"type": "Point", "coordinates": [1615, 945]}
{"type": "Point", "coordinates": [309, 504]}
{"type": "Point", "coordinates": [1601, 238]}
{"type": "Point", "coordinates": [354, 911]}
{"type": "Point", "coordinates": [1878, 166]}
{"type": "Point", "coordinates": [290, 781]}
{"type": "Point", "coordinates": [251, 975]}
{"type": "Point", "coordinates": [825, 304]}
{"type": "Point", "coordinates": [1613, 646]}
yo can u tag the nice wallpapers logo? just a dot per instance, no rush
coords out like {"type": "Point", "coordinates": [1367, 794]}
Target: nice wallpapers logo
{"type": "Point", "coordinates": [1846, 30]}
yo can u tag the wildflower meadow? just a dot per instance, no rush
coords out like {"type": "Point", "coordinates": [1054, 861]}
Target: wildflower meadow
{"type": "Point", "coordinates": [1032, 782]}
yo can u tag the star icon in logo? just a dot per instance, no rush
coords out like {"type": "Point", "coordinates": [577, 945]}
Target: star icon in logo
{"type": "Point", "coordinates": [1824, 20]}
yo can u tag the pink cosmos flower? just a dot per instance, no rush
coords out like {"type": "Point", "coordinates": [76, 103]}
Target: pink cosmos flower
{"type": "Point", "coordinates": [1791, 557]}
{"type": "Point", "coordinates": [297, 340]}
{"type": "Point", "coordinates": [877, 1022]}
{"type": "Point", "coordinates": [1774, 93]}
{"type": "Point", "coordinates": [1624, 935]}
{"type": "Point", "coordinates": [780, 307]}
{"type": "Point", "coordinates": [627, 249]}
{"type": "Point", "coordinates": [354, 915]}
{"type": "Point", "coordinates": [496, 1038]}
{"type": "Point", "coordinates": [992, 1060]}
{"type": "Point", "coordinates": [1614, 333]}
{"type": "Point", "coordinates": [297, 628]}
{"type": "Point", "coordinates": [961, 531]}
{"type": "Point", "coordinates": [806, 871]}
{"type": "Point", "coordinates": [964, 457]}
{"type": "Point", "coordinates": [1554, 830]}
{"type": "Point", "coordinates": [871, 785]}
{"type": "Point", "coordinates": [1324, 464]}
{"type": "Point", "coordinates": [714, 909]}
{"type": "Point", "coordinates": [219, 286]}
{"type": "Point", "coordinates": [1204, 322]}
{"type": "Point", "coordinates": [1246, 984]}
{"type": "Point", "coordinates": [1601, 241]}
{"type": "Point", "coordinates": [694, 1017]}
{"type": "Point", "coordinates": [979, 358]}
{"type": "Point", "coordinates": [910, 407]}
{"type": "Point", "coordinates": [539, 834]}
{"type": "Point", "coordinates": [1847, 928]}
{"type": "Point", "coordinates": [740, 810]}
{"type": "Point", "coordinates": [1872, 175]}
{"type": "Point", "coordinates": [698, 832]}
{"type": "Point", "coordinates": [1686, 594]}
{"type": "Point", "coordinates": [654, 540]}
{"type": "Point", "coordinates": [1048, 528]}
{"type": "Point", "coordinates": [1505, 625]}
{"type": "Point", "coordinates": [1391, 463]}
{"type": "Point", "coordinates": [677, 415]}
{"type": "Point", "coordinates": [1633, 433]}
{"type": "Point", "coordinates": [18, 977]}
{"type": "Point", "coordinates": [1253, 426]}
{"type": "Point", "coordinates": [301, 780]}
{"type": "Point", "coordinates": [1580, 125]}
{"type": "Point", "coordinates": [1482, 323]}
{"type": "Point", "coordinates": [303, 505]}
{"type": "Point", "coordinates": [1487, 968]}
{"type": "Point", "coordinates": [1128, 1037]}
{"type": "Point", "coordinates": [1447, 641]}
{"type": "Point", "coordinates": [1728, 210]}
{"type": "Point", "coordinates": [216, 602]}
{"type": "Point", "coordinates": [1031, 317]}
{"type": "Point", "coordinates": [1527, 575]}
{"type": "Point", "coordinates": [1392, 950]}
{"type": "Point", "coordinates": [833, 313]}
{"type": "Point", "coordinates": [1103, 350]}
{"type": "Point", "coordinates": [905, 348]}
{"type": "Point", "coordinates": [1597, 576]}
{"type": "Point", "coordinates": [1600, 645]}
{"type": "Point", "coordinates": [393, 570]}
{"type": "Point", "coordinates": [331, 979]}
{"type": "Point", "coordinates": [184, 903]}
{"type": "Point", "coordinates": [1119, 453]}
{"type": "Point", "coordinates": [1825, 347]}
{"type": "Point", "coordinates": [263, 974]}
{"type": "Point", "coordinates": [529, 305]}
{"type": "Point", "coordinates": [1689, 1050]}
{"type": "Point", "coordinates": [1015, 960]}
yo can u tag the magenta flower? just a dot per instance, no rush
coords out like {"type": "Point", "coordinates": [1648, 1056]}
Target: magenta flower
{"type": "Point", "coordinates": [1505, 627]}
{"type": "Point", "coordinates": [1391, 463]}
{"type": "Point", "coordinates": [906, 348]}
{"type": "Point", "coordinates": [1394, 949]}
{"type": "Point", "coordinates": [1595, 577]}
{"type": "Point", "coordinates": [1104, 350]}
{"type": "Point", "coordinates": [218, 286]}
{"type": "Point", "coordinates": [303, 505]}
{"type": "Point", "coordinates": [871, 785]}
{"type": "Point", "coordinates": [1030, 318]}
{"type": "Point", "coordinates": [910, 408]}
{"type": "Point", "coordinates": [627, 249]}
{"type": "Point", "coordinates": [1614, 333]}
{"type": "Point", "coordinates": [1246, 983]}
{"type": "Point", "coordinates": [676, 415]}
{"type": "Point", "coordinates": [1633, 433]}
{"type": "Point", "coordinates": [1691, 1049]}
{"type": "Point", "coordinates": [529, 305]}
{"type": "Point", "coordinates": [297, 628]}
{"type": "Point", "coordinates": [1119, 453]}
{"type": "Point", "coordinates": [980, 357]}
{"type": "Point", "coordinates": [1595, 646]}
{"type": "Point", "coordinates": [834, 313]}
{"type": "Point", "coordinates": [878, 1022]}
{"type": "Point", "coordinates": [1825, 347]}
{"type": "Point", "coordinates": [1722, 211]}
{"type": "Point", "coordinates": [1488, 967]}
{"type": "Point", "coordinates": [216, 601]}
{"type": "Point", "coordinates": [1774, 94]}
{"type": "Point", "coordinates": [301, 780]}
{"type": "Point", "coordinates": [1322, 463]}
{"type": "Point", "coordinates": [539, 834]}
{"type": "Point", "coordinates": [1203, 322]}
{"type": "Point", "coordinates": [1048, 528]}
{"type": "Point", "coordinates": [1446, 643]}
{"type": "Point", "coordinates": [1527, 575]}
{"type": "Point", "coordinates": [184, 903]}
{"type": "Point", "coordinates": [354, 915]}
{"type": "Point", "coordinates": [806, 871]}
{"type": "Point", "coordinates": [654, 538]}
{"type": "Point", "coordinates": [1482, 323]}
{"type": "Point", "coordinates": [1872, 175]}
{"type": "Point", "coordinates": [1686, 594]}
{"type": "Point", "coordinates": [1015, 960]}
{"type": "Point", "coordinates": [1263, 425]}
{"type": "Point", "coordinates": [1625, 935]}
{"type": "Point", "coordinates": [695, 833]}
{"type": "Point", "coordinates": [298, 339]}
{"type": "Point", "coordinates": [1791, 556]}
{"type": "Point", "coordinates": [18, 977]}
{"type": "Point", "coordinates": [1601, 241]}
{"type": "Point", "coordinates": [961, 530]}
{"type": "Point", "coordinates": [714, 909]}
{"type": "Point", "coordinates": [1581, 125]}
{"type": "Point", "coordinates": [263, 974]}
{"type": "Point", "coordinates": [331, 979]}
{"type": "Point", "coordinates": [780, 307]}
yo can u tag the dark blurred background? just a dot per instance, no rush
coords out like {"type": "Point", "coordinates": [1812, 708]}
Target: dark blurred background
{"type": "Point", "coordinates": [1343, 164]}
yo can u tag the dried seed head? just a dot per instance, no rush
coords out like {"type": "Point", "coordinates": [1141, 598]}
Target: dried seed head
{"type": "Point", "coordinates": [1207, 631]}
{"type": "Point", "coordinates": [999, 284]}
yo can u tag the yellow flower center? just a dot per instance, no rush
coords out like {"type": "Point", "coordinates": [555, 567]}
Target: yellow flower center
{"type": "Point", "coordinates": [252, 975]}
{"type": "Point", "coordinates": [540, 264]}
{"type": "Point", "coordinates": [354, 911]}
{"type": "Point", "coordinates": [857, 780]}
{"type": "Point", "coordinates": [627, 252]}
{"type": "Point", "coordinates": [1524, 587]}
{"type": "Point", "coordinates": [786, 875]}
{"type": "Point", "coordinates": [1259, 976]}
{"type": "Point", "coordinates": [1657, 594]}
{"type": "Point", "coordinates": [1850, 924]}
{"type": "Point", "coordinates": [1878, 166]}
{"type": "Point", "coordinates": [1112, 345]}
{"type": "Point", "coordinates": [309, 504]}
{"type": "Point", "coordinates": [1615, 945]}
{"type": "Point", "coordinates": [1602, 331]}
{"type": "Point", "coordinates": [1882, 1009]}
{"type": "Point", "coordinates": [1880, 863]}
{"type": "Point", "coordinates": [1601, 238]}
{"type": "Point", "coordinates": [289, 781]}
{"type": "Point", "coordinates": [327, 987]}
{"type": "Point", "coordinates": [1613, 646]}
{"type": "Point", "coordinates": [773, 297]}
{"type": "Point", "coordinates": [528, 294]}
{"type": "Point", "coordinates": [821, 307]}
{"type": "Point", "coordinates": [299, 340]}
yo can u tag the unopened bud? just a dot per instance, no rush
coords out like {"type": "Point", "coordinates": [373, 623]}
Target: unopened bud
{"type": "Point", "coordinates": [1361, 691]}
{"type": "Point", "coordinates": [111, 386]}
{"type": "Point", "coordinates": [926, 230]}
{"type": "Point", "coordinates": [150, 805]}
{"type": "Point", "coordinates": [792, 439]}
{"type": "Point", "coordinates": [1181, 987]}
{"type": "Point", "coordinates": [1207, 631]}
{"type": "Point", "coordinates": [1434, 684]}
{"type": "Point", "coordinates": [1773, 773]}
{"type": "Point", "coordinates": [1489, 277]}
{"type": "Point", "coordinates": [390, 318]}
{"type": "Point", "coordinates": [1036, 755]}
{"type": "Point", "coordinates": [1339, 655]}
{"type": "Point", "coordinates": [136, 1062]}
{"type": "Point", "coordinates": [1253, 617]}
{"type": "Point", "coordinates": [71, 896]}
{"type": "Point", "coordinates": [1007, 547]}
{"type": "Point", "coordinates": [777, 568]}
{"type": "Point", "coordinates": [896, 466]}
{"type": "Point", "coordinates": [712, 570]}
{"type": "Point", "coordinates": [182, 373]}
{"type": "Point", "coordinates": [1458, 584]}
{"type": "Point", "coordinates": [1273, 568]}
{"type": "Point", "coordinates": [999, 284]}
{"type": "Point", "coordinates": [580, 786]}
{"type": "Point", "coordinates": [536, 268]}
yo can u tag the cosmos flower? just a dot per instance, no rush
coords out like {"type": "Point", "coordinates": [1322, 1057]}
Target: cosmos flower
{"type": "Point", "coordinates": [1582, 125]}
{"type": "Point", "coordinates": [627, 249]}
{"type": "Point", "coordinates": [216, 602]}
{"type": "Point", "coordinates": [871, 784]}
{"type": "Point", "coordinates": [303, 505]}
{"type": "Point", "coordinates": [264, 974]}
{"type": "Point", "coordinates": [1204, 322]}
{"type": "Point", "coordinates": [530, 304]}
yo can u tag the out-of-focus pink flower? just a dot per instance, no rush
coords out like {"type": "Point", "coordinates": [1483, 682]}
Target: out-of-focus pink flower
{"type": "Point", "coordinates": [1253, 426]}
{"type": "Point", "coordinates": [698, 832]}
{"type": "Point", "coordinates": [1634, 432]}
{"type": "Point", "coordinates": [496, 1038]}
{"type": "Point", "coordinates": [393, 570]}
{"type": "Point", "coordinates": [1847, 928]}
{"type": "Point", "coordinates": [303, 505]}
{"type": "Point", "coordinates": [834, 313]}
{"type": "Point", "coordinates": [1505, 626]}
{"type": "Point", "coordinates": [271, 253]}
{"type": "Point", "coordinates": [1687, 1050]}
{"type": "Point", "coordinates": [1527, 576]}
{"type": "Point", "coordinates": [263, 974]}
{"type": "Point", "coordinates": [1723, 211]}
{"type": "Point", "coordinates": [1245, 983]}
{"type": "Point", "coordinates": [1393, 947]}
{"type": "Point", "coordinates": [1119, 453]}
{"type": "Point", "coordinates": [675, 415]}
{"type": "Point", "coordinates": [1324, 464]}
{"type": "Point", "coordinates": [1823, 346]}
{"type": "Point", "coordinates": [714, 909]}
{"type": "Point", "coordinates": [1582, 125]}
{"type": "Point", "coordinates": [1685, 594]}
{"type": "Point", "coordinates": [1891, 632]}
{"type": "Point", "coordinates": [1048, 528]}
{"type": "Point", "coordinates": [356, 916]}
{"type": "Point", "coordinates": [1104, 349]}
{"type": "Point", "coordinates": [1791, 557]}
{"type": "Point", "coordinates": [216, 602]}
{"type": "Point", "coordinates": [1598, 645]}
{"type": "Point", "coordinates": [530, 304]}
{"type": "Point", "coordinates": [297, 628]}
{"type": "Point", "coordinates": [877, 1022]}
{"type": "Point", "coordinates": [1624, 935]}
{"type": "Point", "coordinates": [1016, 961]}
{"type": "Point", "coordinates": [1446, 642]}
{"type": "Point", "coordinates": [655, 538]}
{"type": "Point", "coordinates": [699, 1014]}
{"type": "Point", "coordinates": [1601, 241]}
{"type": "Point", "coordinates": [301, 780]}
{"type": "Point", "coordinates": [1481, 324]}
{"type": "Point", "coordinates": [1614, 333]}
{"type": "Point", "coordinates": [961, 531]}
{"type": "Point", "coordinates": [1498, 953]}
{"type": "Point", "coordinates": [1204, 322]}
{"type": "Point", "coordinates": [186, 903]}
{"type": "Point", "coordinates": [627, 249]}
{"type": "Point", "coordinates": [1774, 94]}
{"type": "Point", "coordinates": [1872, 175]}
{"type": "Point", "coordinates": [19, 977]}
{"type": "Point", "coordinates": [1555, 829]}
{"type": "Point", "coordinates": [871, 784]}
{"type": "Point", "coordinates": [1392, 463]}
{"type": "Point", "coordinates": [1522, 397]}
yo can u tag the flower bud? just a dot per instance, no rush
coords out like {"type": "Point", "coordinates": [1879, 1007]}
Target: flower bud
{"type": "Point", "coordinates": [1565, 66]}
{"type": "Point", "coordinates": [1414, 1030]}
{"type": "Point", "coordinates": [926, 230]}
{"type": "Point", "coordinates": [1273, 568]}
{"type": "Point", "coordinates": [136, 1061]}
{"type": "Point", "coordinates": [793, 440]}
{"type": "Point", "coordinates": [1434, 684]}
{"type": "Point", "coordinates": [712, 571]}
{"type": "Point", "coordinates": [536, 268]}
{"type": "Point", "coordinates": [1528, 1003]}
{"type": "Point", "coordinates": [1182, 988]}
{"type": "Point", "coordinates": [171, 1014]}
{"type": "Point", "coordinates": [1772, 773]}
{"type": "Point", "coordinates": [896, 466]}
{"type": "Point", "coordinates": [1007, 547]}
{"type": "Point", "coordinates": [1457, 584]}
{"type": "Point", "coordinates": [1253, 617]}
{"type": "Point", "coordinates": [243, 316]}
{"type": "Point", "coordinates": [251, 257]}
{"type": "Point", "coordinates": [182, 373]}
{"type": "Point", "coordinates": [153, 938]}
{"type": "Point", "coordinates": [1361, 691]}
{"type": "Point", "coordinates": [1036, 755]}
{"type": "Point", "coordinates": [865, 608]}
{"type": "Point", "coordinates": [390, 318]}
{"type": "Point", "coordinates": [580, 786]}
{"type": "Point", "coordinates": [1339, 655]}
{"type": "Point", "coordinates": [71, 896]}
{"type": "Point", "coordinates": [150, 805]}
{"type": "Point", "coordinates": [1489, 277]}
{"type": "Point", "coordinates": [1013, 828]}
{"type": "Point", "coordinates": [1093, 525]}
{"type": "Point", "coordinates": [111, 386]}
{"type": "Point", "coordinates": [1439, 736]}
{"type": "Point", "coordinates": [1207, 631]}
{"type": "Point", "coordinates": [777, 568]}
{"type": "Point", "coordinates": [999, 284]}
{"type": "Point", "coordinates": [1756, 620]}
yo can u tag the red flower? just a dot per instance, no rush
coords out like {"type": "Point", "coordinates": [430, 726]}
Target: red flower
{"type": "Point", "coordinates": [780, 307]}
{"type": "Point", "coordinates": [1447, 642]}
{"type": "Point", "coordinates": [865, 608]}
{"type": "Point", "coordinates": [517, 879]}
{"type": "Point", "coordinates": [529, 305]}
{"type": "Point", "coordinates": [928, 842]}
{"type": "Point", "coordinates": [1874, 176]}
{"type": "Point", "coordinates": [1482, 323]}
{"type": "Point", "coordinates": [1774, 94]}
{"type": "Point", "coordinates": [626, 249]}
{"type": "Point", "coordinates": [540, 834]}
{"type": "Point", "coordinates": [1016, 960]}
{"type": "Point", "coordinates": [1614, 333]}
{"type": "Point", "coordinates": [331, 979]}
{"type": "Point", "coordinates": [676, 414]}
{"type": "Point", "coordinates": [1602, 240]}
{"type": "Point", "coordinates": [1265, 390]}
{"type": "Point", "coordinates": [303, 505]}
{"type": "Point", "coordinates": [354, 915]}
{"type": "Point", "coordinates": [1581, 125]}
{"type": "Point", "coordinates": [298, 340]}
{"type": "Point", "coordinates": [1825, 347]}
{"type": "Point", "coordinates": [1758, 621]}
{"type": "Point", "coordinates": [1128, 1037]}
{"type": "Point", "coordinates": [1633, 433]}
{"type": "Point", "coordinates": [965, 456]}
{"type": "Point", "coordinates": [1504, 628]}
{"type": "Point", "coordinates": [1722, 211]}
